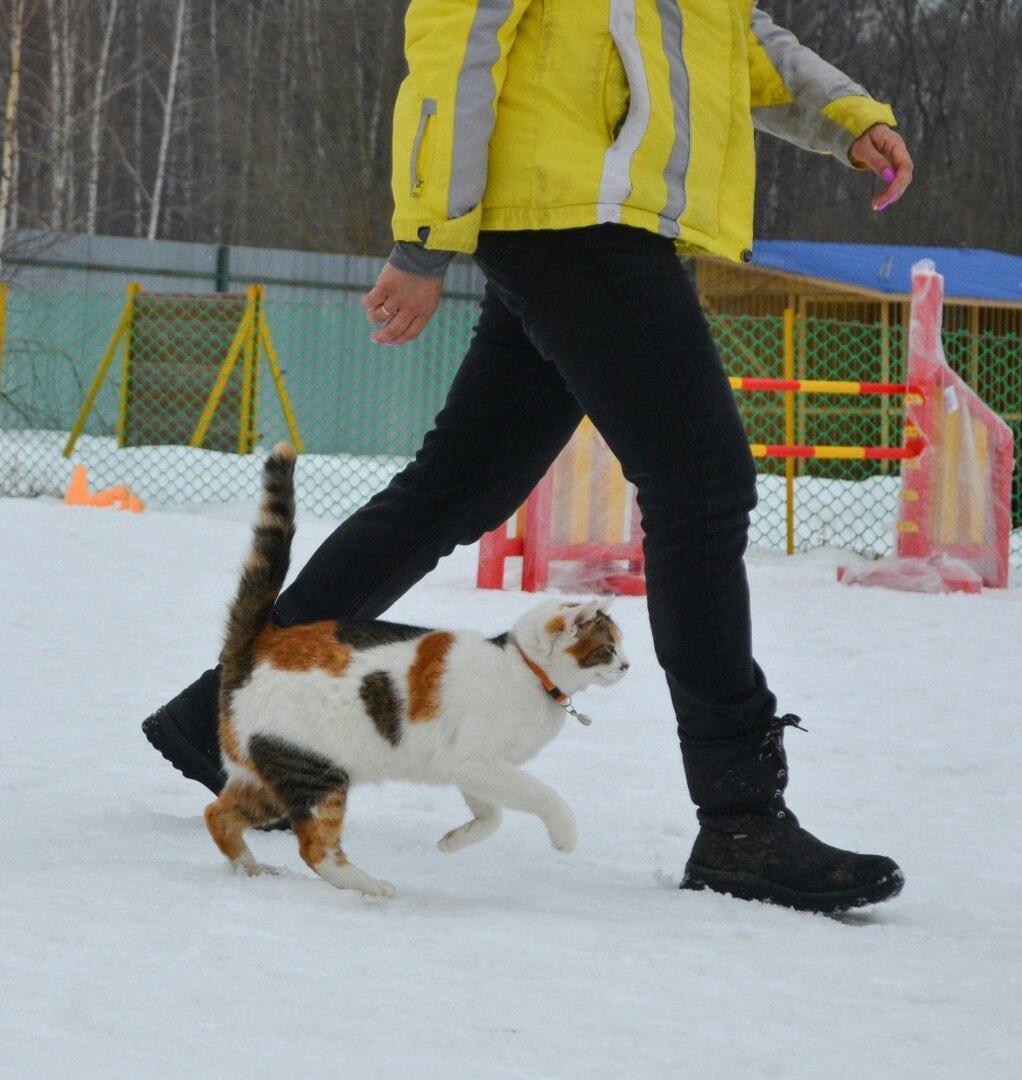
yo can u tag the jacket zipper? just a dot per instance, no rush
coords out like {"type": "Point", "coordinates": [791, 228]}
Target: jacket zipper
{"type": "Point", "coordinates": [418, 180]}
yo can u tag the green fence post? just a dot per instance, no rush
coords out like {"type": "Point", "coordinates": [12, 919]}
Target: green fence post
{"type": "Point", "coordinates": [223, 268]}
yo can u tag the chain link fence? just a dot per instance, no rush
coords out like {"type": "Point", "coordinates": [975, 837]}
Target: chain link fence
{"type": "Point", "coordinates": [362, 410]}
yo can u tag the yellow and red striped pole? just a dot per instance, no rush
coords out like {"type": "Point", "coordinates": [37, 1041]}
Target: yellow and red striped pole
{"type": "Point", "coordinates": [824, 386]}
{"type": "Point", "coordinates": [840, 453]}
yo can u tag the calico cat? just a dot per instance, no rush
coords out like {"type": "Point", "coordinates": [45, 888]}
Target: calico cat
{"type": "Point", "coordinates": [307, 711]}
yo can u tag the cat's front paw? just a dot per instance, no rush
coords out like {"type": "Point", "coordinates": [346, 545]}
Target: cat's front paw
{"type": "Point", "coordinates": [563, 833]}
{"type": "Point", "coordinates": [453, 841]}
{"type": "Point", "coordinates": [479, 828]}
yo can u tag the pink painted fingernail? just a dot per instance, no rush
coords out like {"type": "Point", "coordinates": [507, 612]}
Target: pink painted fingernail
{"type": "Point", "coordinates": [889, 175]}
{"type": "Point", "coordinates": [888, 202]}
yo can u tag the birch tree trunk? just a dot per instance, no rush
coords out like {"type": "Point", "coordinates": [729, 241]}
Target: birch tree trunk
{"type": "Point", "coordinates": [217, 126]}
{"type": "Point", "coordinates": [253, 48]}
{"type": "Point", "coordinates": [168, 115]}
{"type": "Point", "coordinates": [68, 54]}
{"type": "Point", "coordinates": [12, 217]}
{"type": "Point", "coordinates": [138, 190]}
{"type": "Point", "coordinates": [11, 118]}
{"type": "Point", "coordinates": [55, 124]}
{"type": "Point", "coordinates": [97, 119]}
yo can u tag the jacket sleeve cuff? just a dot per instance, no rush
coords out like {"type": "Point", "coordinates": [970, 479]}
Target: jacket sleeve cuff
{"type": "Point", "coordinates": [413, 258]}
{"type": "Point", "coordinates": [851, 117]}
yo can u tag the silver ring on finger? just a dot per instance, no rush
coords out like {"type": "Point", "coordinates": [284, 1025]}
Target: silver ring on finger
{"type": "Point", "coordinates": [386, 311]}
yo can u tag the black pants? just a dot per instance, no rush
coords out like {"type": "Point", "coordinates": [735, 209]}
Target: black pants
{"type": "Point", "coordinates": [605, 321]}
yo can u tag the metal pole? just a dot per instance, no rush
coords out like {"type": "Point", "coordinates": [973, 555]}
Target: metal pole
{"type": "Point", "coordinates": [789, 430]}
{"type": "Point", "coordinates": [223, 268]}
{"type": "Point", "coordinates": [122, 407]}
{"type": "Point", "coordinates": [3, 328]}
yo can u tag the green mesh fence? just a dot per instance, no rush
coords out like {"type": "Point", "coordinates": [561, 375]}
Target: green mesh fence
{"type": "Point", "coordinates": [176, 347]}
{"type": "Point", "coordinates": [362, 410]}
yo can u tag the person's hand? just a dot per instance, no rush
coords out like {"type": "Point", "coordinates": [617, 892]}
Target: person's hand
{"type": "Point", "coordinates": [884, 151]}
{"type": "Point", "coordinates": [401, 304]}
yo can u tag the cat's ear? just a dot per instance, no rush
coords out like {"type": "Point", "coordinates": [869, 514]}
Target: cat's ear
{"type": "Point", "coordinates": [586, 612]}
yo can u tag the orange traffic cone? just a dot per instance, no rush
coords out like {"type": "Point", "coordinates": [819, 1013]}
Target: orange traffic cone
{"type": "Point", "coordinates": [77, 493]}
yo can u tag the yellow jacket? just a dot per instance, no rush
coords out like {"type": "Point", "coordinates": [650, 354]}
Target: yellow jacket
{"type": "Point", "coordinates": [553, 114]}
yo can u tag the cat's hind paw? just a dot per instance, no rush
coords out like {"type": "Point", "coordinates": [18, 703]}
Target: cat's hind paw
{"type": "Point", "coordinates": [378, 888]}
{"type": "Point", "coordinates": [253, 868]}
{"type": "Point", "coordinates": [349, 876]}
{"type": "Point", "coordinates": [261, 869]}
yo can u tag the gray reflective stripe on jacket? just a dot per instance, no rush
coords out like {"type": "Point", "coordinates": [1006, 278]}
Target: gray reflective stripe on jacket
{"type": "Point", "coordinates": [676, 173]}
{"type": "Point", "coordinates": [615, 184]}
{"type": "Point", "coordinates": [812, 83]}
{"type": "Point", "coordinates": [474, 115]}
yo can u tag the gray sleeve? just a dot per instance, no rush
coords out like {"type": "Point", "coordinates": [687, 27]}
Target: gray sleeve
{"type": "Point", "coordinates": [413, 258]}
{"type": "Point", "coordinates": [813, 84]}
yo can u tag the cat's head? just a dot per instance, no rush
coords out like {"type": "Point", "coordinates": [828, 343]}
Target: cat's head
{"type": "Point", "coordinates": [576, 644]}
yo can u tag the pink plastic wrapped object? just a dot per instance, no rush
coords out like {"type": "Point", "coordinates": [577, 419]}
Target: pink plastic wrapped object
{"type": "Point", "coordinates": [954, 522]}
{"type": "Point", "coordinates": [938, 574]}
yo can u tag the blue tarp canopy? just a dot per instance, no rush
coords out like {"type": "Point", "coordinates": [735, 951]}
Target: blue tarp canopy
{"type": "Point", "coordinates": [968, 274]}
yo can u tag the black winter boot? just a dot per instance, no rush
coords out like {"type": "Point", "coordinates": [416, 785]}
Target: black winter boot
{"type": "Point", "coordinates": [766, 855]}
{"type": "Point", "coordinates": [185, 731]}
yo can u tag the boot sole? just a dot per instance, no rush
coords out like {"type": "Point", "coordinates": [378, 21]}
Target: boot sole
{"type": "Point", "coordinates": [164, 736]}
{"type": "Point", "coordinates": [744, 886]}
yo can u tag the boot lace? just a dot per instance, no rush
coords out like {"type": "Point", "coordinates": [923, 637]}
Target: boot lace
{"type": "Point", "coordinates": [772, 746]}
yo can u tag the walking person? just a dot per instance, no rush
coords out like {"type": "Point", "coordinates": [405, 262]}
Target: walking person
{"type": "Point", "coordinates": [574, 149]}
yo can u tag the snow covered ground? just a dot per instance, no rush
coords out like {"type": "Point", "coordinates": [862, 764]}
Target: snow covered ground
{"type": "Point", "coordinates": [128, 949]}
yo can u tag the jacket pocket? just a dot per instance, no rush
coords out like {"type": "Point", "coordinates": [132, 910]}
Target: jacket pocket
{"type": "Point", "coordinates": [422, 147]}
{"type": "Point", "coordinates": [612, 92]}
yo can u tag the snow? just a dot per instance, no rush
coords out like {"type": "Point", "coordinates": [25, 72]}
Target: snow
{"type": "Point", "coordinates": [127, 948]}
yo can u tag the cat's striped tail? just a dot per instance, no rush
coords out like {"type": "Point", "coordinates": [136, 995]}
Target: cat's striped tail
{"type": "Point", "coordinates": [265, 569]}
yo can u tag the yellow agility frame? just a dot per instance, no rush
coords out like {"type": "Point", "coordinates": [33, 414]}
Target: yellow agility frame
{"type": "Point", "coordinates": [3, 327]}
{"type": "Point", "coordinates": [250, 342]}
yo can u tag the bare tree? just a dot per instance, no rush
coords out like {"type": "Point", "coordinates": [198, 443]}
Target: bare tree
{"type": "Point", "coordinates": [95, 127]}
{"type": "Point", "coordinates": [138, 188]}
{"type": "Point", "coordinates": [168, 119]}
{"type": "Point", "coordinates": [11, 116]}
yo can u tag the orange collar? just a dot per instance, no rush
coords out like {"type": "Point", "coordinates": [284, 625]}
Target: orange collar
{"type": "Point", "coordinates": [554, 691]}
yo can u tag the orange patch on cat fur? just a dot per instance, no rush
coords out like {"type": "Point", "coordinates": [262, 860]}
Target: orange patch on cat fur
{"type": "Point", "coordinates": [424, 676]}
{"type": "Point", "coordinates": [302, 648]}
{"type": "Point", "coordinates": [239, 807]}
{"type": "Point", "coordinates": [556, 625]}
{"type": "Point", "coordinates": [320, 834]}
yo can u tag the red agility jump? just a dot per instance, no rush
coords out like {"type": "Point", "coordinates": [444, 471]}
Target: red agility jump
{"type": "Point", "coordinates": [583, 511]}
{"type": "Point", "coordinates": [957, 460]}
{"type": "Point", "coordinates": [912, 448]}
